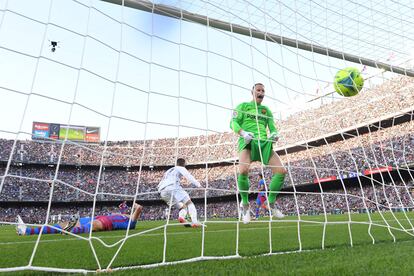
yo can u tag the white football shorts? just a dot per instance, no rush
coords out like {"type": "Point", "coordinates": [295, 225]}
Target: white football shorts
{"type": "Point", "coordinates": [174, 195]}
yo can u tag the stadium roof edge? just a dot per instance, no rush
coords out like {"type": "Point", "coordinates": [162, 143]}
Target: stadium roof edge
{"type": "Point", "coordinates": [165, 10]}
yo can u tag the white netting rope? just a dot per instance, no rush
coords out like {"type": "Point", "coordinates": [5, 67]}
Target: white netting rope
{"type": "Point", "coordinates": [207, 130]}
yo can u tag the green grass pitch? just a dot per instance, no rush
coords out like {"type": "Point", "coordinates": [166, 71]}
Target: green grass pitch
{"type": "Point", "coordinates": [385, 257]}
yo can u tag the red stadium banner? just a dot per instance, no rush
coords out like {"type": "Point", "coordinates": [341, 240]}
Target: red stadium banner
{"type": "Point", "coordinates": [40, 130]}
{"type": "Point", "coordinates": [378, 170]}
{"type": "Point", "coordinates": [324, 179]}
{"type": "Point", "coordinates": [40, 126]}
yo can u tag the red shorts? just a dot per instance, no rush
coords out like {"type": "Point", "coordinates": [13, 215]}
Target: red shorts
{"type": "Point", "coordinates": [260, 200]}
{"type": "Point", "coordinates": [106, 222]}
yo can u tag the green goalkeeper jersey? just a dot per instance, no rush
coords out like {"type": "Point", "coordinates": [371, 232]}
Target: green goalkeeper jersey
{"type": "Point", "coordinates": [244, 117]}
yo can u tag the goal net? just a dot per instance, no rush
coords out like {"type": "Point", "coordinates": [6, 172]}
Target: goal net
{"type": "Point", "coordinates": [96, 109]}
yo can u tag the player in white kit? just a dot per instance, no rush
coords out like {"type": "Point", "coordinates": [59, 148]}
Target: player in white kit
{"type": "Point", "coordinates": [173, 193]}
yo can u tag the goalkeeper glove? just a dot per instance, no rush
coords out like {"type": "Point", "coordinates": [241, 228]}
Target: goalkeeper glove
{"type": "Point", "coordinates": [197, 184]}
{"type": "Point", "coordinates": [248, 136]}
{"type": "Point", "coordinates": [274, 136]}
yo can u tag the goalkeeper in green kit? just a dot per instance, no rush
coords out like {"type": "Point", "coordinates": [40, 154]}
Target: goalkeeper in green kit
{"type": "Point", "coordinates": [251, 121]}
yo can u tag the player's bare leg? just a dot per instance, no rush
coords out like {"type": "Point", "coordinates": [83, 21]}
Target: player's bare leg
{"type": "Point", "coordinates": [137, 211]}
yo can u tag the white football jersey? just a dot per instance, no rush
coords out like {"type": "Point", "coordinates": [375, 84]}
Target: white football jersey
{"type": "Point", "coordinates": [173, 175]}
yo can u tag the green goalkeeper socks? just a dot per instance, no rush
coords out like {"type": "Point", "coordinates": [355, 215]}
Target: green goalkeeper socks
{"type": "Point", "coordinates": [275, 186]}
{"type": "Point", "coordinates": [243, 183]}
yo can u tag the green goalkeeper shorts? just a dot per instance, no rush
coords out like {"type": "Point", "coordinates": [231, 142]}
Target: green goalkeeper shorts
{"type": "Point", "coordinates": [266, 147]}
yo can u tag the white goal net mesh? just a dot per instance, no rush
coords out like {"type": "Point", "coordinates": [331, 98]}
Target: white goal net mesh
{"type": "Point", "coordinates": [95, 109]}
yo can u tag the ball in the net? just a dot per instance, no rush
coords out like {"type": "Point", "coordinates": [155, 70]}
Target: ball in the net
{"type": "Point", "coordinates": [348, 82]}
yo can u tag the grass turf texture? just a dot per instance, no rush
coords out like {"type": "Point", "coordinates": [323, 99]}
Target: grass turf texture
{"type": "Point", "coordinates": [385, 257]}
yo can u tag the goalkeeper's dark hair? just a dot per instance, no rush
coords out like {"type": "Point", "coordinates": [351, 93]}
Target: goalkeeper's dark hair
{"type": "Point", "coordinates": [181, 162]}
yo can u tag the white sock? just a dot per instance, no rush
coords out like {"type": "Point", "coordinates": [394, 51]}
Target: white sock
{"type": "Point", "coordinates": [182, 213]}
{"type": "Point", "coordinates": [193, 212]}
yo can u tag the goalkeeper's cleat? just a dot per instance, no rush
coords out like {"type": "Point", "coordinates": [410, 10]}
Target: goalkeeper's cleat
{"type": "Point", "coordinates": [277, 213]}
{"type": "Point", "coordinates": [21, 227]}
{"type": "Point", "coordinates": [71, 224]}
{"type": "Point", "coordinates": [245, 212]}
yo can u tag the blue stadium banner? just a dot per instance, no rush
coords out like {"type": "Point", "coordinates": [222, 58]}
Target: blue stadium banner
{"type": "Point", "coordinates": [352, 174]}
{"type": "Point", "coordinates": [343, 176]}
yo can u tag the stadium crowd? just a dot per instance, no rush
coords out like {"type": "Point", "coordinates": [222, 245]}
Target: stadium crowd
{"type": "Point", "coordinates": [390, 97]}
{"type": "Point", "coordinates": [387, 148]}
{"type": "Point", "coordinates": [33, 168]}
{"type": "Point", "coordinates": [387, 99]}
{"type": "Point", "coordinates": [388, 197]}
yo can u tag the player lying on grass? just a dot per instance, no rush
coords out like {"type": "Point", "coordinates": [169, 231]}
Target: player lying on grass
{"type": "Point", "coordinates": [84, 224]}
{"type": "Point", "coordinates": [251, 121]}
{"type": "Point", "coordinates": [173, 194]}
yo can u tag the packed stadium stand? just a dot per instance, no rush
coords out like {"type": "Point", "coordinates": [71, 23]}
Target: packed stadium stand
{"type": "Point", "coordinates": [381, 151]}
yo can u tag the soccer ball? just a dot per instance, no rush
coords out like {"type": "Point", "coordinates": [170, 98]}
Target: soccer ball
{"type": "Point", "coordinates": [348, 82]}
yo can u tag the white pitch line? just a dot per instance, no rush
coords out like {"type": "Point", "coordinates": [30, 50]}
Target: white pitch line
{"type": "Point", "coordinates": [162, 234]}
{"type": "Point", "coordinates": [192, 232]}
